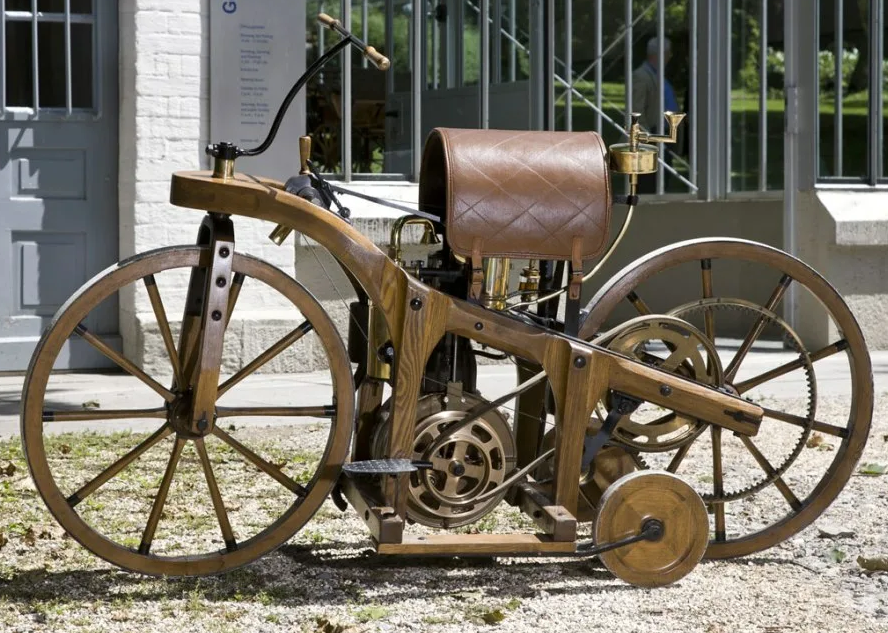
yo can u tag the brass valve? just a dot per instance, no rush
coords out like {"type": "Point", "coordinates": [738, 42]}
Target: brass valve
{"type": "Point", "coordinates": [638, 156]}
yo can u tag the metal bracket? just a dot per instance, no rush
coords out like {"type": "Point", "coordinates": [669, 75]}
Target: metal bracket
{"type": "Point", "coordinates": [622, 405]}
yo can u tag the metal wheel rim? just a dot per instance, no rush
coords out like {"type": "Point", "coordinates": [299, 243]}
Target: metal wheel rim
{"type": "Point", "coordinates": [860, 414]}
{"type": "Point", "coordinates": [40, 369]}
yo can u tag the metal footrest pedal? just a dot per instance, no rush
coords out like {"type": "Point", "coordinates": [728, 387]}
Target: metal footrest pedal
{"type": "Point", "coordinates": [384, 467]}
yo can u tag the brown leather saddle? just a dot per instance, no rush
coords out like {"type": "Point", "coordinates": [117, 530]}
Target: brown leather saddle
{"type": "Point", "coordinates": [508, 193]}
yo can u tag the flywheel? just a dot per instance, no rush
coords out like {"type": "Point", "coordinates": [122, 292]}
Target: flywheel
{"type": "Point", "coordinates": [471, 462]}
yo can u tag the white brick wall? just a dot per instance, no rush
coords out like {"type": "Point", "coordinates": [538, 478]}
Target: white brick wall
{"type": "Point", "coordinates": [164, 127]}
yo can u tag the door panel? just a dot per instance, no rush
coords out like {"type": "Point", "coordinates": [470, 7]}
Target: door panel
{"type": "Point", "coordinates": [58, 171]}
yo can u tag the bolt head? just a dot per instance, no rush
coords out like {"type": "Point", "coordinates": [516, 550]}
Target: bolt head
{"type": "Point", "coordinates": [665, 391]}
{"type": "Point", "coordinates": [579, 362]}
{"type": "Point", "coordinates": [216, 315]}
{"type": "Point", "coordinates": [224, 252]}
{"type": "Point", "coordinates": [479, 326]}
{"type": "Point", "coordinates": [416, 303]}
{"type": "Point", "coordinates": [220, 281]}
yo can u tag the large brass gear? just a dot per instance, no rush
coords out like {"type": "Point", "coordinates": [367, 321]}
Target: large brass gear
{"type": "Point", "coordinates": [473, 461]}
{"type": "Point", "coordinates": [792, 341]}
{"type": "Point", "coordinates": [684, 350]}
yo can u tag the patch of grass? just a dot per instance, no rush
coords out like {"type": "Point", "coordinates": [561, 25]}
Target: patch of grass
{"type": "Point", "coordinates": [371, 613]}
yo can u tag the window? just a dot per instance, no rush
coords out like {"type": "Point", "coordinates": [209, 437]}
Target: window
{"type": "Point", "coordinates": [601, 65]}
{"type": "Point", "coordinates": [48, 55]}
{"type": "Point", "coordinates": [852, 67]}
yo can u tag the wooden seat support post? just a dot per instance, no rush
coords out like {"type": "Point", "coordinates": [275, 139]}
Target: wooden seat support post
{"type": "Point", "coordinates": [422, 326]}
{"type": "Point", "coordinates": [579, 380]}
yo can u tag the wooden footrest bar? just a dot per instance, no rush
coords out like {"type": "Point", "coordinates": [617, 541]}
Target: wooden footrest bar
{"type": "Point", "coordinates": [475, 545]}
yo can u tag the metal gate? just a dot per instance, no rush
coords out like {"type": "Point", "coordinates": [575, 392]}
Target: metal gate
{"type": "Point", "coordinates": [58, 168]}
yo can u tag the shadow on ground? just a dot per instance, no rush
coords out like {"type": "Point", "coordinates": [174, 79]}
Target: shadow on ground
{"type": "Point", "coordinates": [328, 574]}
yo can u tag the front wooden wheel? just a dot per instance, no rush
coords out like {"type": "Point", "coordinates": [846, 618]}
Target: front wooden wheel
{"type": "Point", "coordinates": [177, 502]}
{"type": "Point", "coordinates": [761, 490]}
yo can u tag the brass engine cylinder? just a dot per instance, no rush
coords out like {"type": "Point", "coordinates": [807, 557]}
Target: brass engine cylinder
{"type": "Point", "coordinates": [496, 282]}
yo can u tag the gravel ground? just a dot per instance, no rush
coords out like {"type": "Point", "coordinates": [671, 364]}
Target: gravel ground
{"type": "Point", "coordinates": [327, 579]}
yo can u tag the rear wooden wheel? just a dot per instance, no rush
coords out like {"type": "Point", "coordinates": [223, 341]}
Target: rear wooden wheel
{"type": "Point", "coordinates": [761, 490]}
{"type": "Point", "coordinates": [174, 503]}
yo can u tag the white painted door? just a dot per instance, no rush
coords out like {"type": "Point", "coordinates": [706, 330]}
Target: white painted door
{"type": "Point", "coordinates": [58, 168]}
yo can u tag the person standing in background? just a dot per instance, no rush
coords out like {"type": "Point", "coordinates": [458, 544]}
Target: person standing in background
{"type": "Point", "coordinates": [646, 98]}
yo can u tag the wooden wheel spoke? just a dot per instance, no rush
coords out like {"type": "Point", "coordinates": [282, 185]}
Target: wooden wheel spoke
{"type": "Point", "coordinates": [297, 333]}
{"type": "Point", "coordinates": [160, 499]}
{"type": "Point", "coordinates": [679, 456]}
{"type": "Point", "coordinates": [269, 469]}
{"type": "Point", "coordinates": [797, 420]}
{"type": "Point", "coordinates": [766, 466]}
{"type": "Point", "coordinates": [752, 383]}
{"type": "Point", "coordinates": [124, 363]}
{"type": "Point", "coordinates": [708, 316]}
{"type": "Point", "coordinates": [237, 283]}
{"type": "Point", "coordinates": [638, 303]}
{"type": "Point", "coordinates": [216, 496]}
{"type": "Point", "coordinates": [104, 414]}
{"type": "Point", "coordinates": [718, 486]}
{"type": "Point", "coordinates": [163, 325]}
{"type": "Point", "coordinates": [757, 328]}
{"type": "Point", "coordinates": [112, 470]}
{"type": "Point", "coordinates": [824, 352]}
{"type": "Point", "coordinates": [323, 411]}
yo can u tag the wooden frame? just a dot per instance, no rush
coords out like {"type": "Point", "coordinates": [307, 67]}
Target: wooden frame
{"type": "Point", "coordinates": [418, 316]}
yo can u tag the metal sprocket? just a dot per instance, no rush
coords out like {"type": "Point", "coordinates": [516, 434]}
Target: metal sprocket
{"type": "Point", "coordinates": [791, 339]}
{"type": "Point", "coordinates": [688, 353]}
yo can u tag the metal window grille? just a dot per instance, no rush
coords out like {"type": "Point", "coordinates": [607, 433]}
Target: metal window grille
{"type": "Point", "coordinates": [853, 36]}
{"type": "Point", "coordinates": [570, 91]}
{"type": "Point", "coordinates": [62, 84]}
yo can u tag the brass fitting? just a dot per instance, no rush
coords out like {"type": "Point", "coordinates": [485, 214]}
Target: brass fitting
{"type": "Point", "coordinates": [529, 284]}
{"type": "Point", "coordinates": [496, 282]}
{"type": "Point", "coordinates": [638, 156]}
{"type": "Point", "coordinates": [428, 237]}
{"type": "Point", "coordinates": [223, 168]}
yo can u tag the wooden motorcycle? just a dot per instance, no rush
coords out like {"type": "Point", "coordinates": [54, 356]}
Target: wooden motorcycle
{"type": "Point", "coordinates": [605, 417]}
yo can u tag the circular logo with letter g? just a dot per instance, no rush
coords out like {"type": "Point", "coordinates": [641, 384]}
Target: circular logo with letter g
{"type": "Point", "coordinates": [229, 7]}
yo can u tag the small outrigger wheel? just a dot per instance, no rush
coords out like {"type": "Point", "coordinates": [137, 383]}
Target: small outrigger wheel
{"type": "Point", "coordinates": [629, 505]}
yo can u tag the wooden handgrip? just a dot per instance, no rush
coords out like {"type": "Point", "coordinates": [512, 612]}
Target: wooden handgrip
{"type": "Point", "coordinates": [327, 21]}
{"type": "Point", "coordinates": [376, 58]}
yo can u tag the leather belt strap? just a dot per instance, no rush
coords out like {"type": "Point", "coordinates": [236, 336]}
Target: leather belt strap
{"type": "Point", "coordinates": [477, 269]}
{"type": "Point", "coordinates": [576, 269]}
